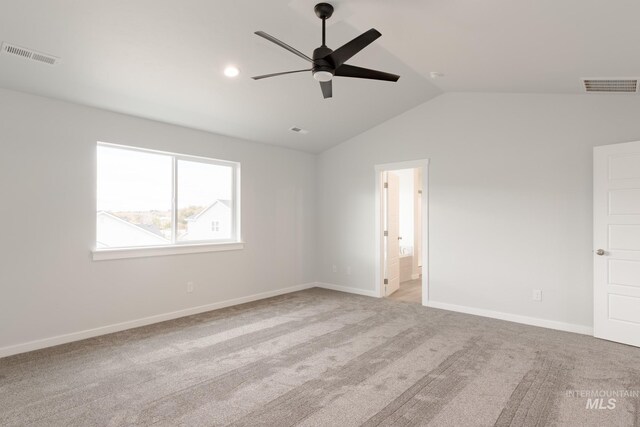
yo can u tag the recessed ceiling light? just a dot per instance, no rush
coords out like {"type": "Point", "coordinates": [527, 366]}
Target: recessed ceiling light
{"type": "Point", "coordinates": [231, 71]}
{"type": "Point", "coordinates": [435, 74]}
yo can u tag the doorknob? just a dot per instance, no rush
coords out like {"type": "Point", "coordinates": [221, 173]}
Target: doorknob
{"type": "Point", "coordinates": [600, 252]}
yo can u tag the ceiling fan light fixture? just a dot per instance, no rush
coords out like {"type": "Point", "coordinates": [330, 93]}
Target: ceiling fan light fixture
{"type": "Point", "coordinates": [323, 76]}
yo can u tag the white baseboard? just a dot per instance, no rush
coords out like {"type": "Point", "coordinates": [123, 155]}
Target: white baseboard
{"type": "Point", "coordinates": [347, 289]}
{"type": "Point", "coordinates": [415, 276]}
{"type": "Point", "coordinates": [533, 321]}
{"type": "Point", "coordinates": [117, 327]}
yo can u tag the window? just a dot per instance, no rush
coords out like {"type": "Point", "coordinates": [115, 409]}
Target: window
{"type": "Point", "coordinates": [149, 199]}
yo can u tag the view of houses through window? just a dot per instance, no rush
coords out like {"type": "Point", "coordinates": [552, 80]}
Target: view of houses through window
{"type": "Point", "coordinates": [147, 198]}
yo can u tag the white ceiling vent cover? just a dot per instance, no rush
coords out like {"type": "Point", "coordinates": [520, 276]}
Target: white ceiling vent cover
{"type": "Point", "coordinates": [611, 85]}
{"type": "Point", "coordinates": [10, 49]}
{"type": "Point", "coordinates": [298, 130]}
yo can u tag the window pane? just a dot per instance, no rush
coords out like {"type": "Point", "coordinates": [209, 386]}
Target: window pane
{"type": "Point", "coordinates": [134, 198]}
{"type": "Point", "coordinates": [204, 201]}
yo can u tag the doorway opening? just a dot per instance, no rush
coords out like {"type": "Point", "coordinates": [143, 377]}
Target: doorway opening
{"type": "Point", "coordinates": [401, 228]}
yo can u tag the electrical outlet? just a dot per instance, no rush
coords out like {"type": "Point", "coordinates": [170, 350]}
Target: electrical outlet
{"type": "Point", "coordinates": [189, 287]}
{"type": "Point", "coordinates": [537, 295]}
{"type": "Point", "coordinates": [349, 270]}
{"type": "Point", "coordinates": [334, 268]}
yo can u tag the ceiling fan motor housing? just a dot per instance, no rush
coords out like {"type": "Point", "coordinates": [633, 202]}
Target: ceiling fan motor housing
{"type": "Point", "coordinates": [320, 61]}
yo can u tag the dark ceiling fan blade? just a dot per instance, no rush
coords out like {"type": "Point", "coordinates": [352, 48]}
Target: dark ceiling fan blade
{"type": "Point", "coordinates": [283, 45]}
{"type": "Point", "coordinates": [365, 73]}
{"type": "Point", "coordinates": [348, 50]}
{"type": "Point", "coordinates": [327, 89]}
{"type": "Point", "coordinates": [278, 74]}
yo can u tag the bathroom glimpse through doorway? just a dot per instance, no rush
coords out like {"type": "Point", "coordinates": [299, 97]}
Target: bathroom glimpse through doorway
{"type": "Point", "coordinates": [401, 230]}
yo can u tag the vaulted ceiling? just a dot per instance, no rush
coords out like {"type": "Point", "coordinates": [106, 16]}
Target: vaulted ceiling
{"type": "Point", "coordinates": [163, 59]}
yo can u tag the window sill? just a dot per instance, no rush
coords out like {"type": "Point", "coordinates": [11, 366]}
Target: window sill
{"type": "Point", "coordinates": [143, 252]}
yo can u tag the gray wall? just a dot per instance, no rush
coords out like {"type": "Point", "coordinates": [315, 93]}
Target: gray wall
{"type": "Point", "coordinates": [48, 283]}
{"type": "Point", "coordinates": [510, 198]}
{"type": "Point", "coordinates": [510, 210]}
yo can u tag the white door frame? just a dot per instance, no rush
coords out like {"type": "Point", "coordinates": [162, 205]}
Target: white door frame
{"type": "Point", "coordinates": [379, 247]}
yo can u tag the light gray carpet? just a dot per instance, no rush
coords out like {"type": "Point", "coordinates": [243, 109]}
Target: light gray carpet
{"type": "Point", "coordinates": [323, 358]}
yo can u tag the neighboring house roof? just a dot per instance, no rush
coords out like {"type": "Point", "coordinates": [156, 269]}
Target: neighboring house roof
{"type": "Point", "coordinates": [152, 228]}
{"type": "Point", "coordinates": [130, 224]}
{"type": "Point", "coordinates": [225, 203]}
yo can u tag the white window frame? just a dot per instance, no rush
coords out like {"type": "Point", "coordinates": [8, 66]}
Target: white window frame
{"type": "Point", "coordinates": [177, 247]}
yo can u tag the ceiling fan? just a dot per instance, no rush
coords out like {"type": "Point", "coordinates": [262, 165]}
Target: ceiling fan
{"type": "Point", "coordinates": [328, 63]}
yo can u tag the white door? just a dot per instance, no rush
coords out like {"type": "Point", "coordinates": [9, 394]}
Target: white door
{"type": "Point", "coordinates": [616, 199]}
{"type": "Point", "coordinates": [393, 233]}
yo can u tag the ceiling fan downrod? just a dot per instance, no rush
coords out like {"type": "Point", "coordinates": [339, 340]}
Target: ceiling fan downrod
{"type": "Point", "coordinates": [324, 12]}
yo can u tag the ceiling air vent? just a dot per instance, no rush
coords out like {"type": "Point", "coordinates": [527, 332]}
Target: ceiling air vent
{"type": "Point", "coordinates": [611, 85]}
{"type": "Point", "coordinates": [298, 130]}
{"type": "Point", "coordinates": [10, 49]}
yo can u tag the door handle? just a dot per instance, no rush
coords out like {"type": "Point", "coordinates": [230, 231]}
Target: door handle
{"type": "Point", "coordinates": [399, 237]}
{"type": "Point", "coordinates": [600, 252]}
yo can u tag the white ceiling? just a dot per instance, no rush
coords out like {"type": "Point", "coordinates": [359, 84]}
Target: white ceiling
{"type": "Point", "coordinates": [163, 59]}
